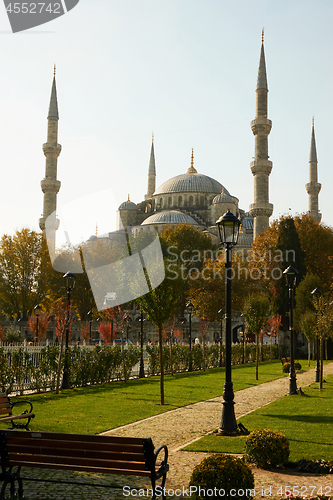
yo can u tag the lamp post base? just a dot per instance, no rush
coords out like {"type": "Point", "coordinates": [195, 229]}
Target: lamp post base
{"type": "Point", "coordinates": [292, 385]}
{"type": "Point", "coordinates": [228, 425]}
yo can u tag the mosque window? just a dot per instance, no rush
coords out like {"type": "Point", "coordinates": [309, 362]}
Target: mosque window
{"type": "Point", "coordinates": [180, 201]}
{"type": "Point", "coordinates": [190, 201]}
{"type": "Point", "coordinates": [169, 201]}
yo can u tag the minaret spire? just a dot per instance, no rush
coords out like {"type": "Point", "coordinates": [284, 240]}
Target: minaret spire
{"type": "Point", "coordinates": [313, 187]}
{"type": "Point", "coordinates": [261, 167]}
{"type": "Point", "coordinates": [50, 185]}
{"type": "Point", "coordinates": [151, 172]}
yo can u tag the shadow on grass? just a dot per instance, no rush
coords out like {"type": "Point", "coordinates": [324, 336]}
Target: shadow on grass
{"type": "Point", "coordinates": [310, 419]}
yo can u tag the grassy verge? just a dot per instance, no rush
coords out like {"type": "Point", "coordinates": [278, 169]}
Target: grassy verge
{"type": "Point", "coordinates": [99, 408]}
{"type": "Point", "coordinates": [305, 420]}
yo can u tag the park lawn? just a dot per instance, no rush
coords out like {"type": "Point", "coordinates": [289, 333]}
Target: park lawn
{"type": "Point", "coordinates": [97, 409]}
{"type": "Point", "coordinates": [305, 420]}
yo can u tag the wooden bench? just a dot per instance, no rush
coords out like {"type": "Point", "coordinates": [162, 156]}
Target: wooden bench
{"type": "Point", "coordinates": [79, 452]}
{"type": "Point", "coordinates": [6, 413]}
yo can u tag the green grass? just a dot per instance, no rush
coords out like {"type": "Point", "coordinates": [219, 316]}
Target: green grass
{"type": "Point", "coordinates": [96, 409]}
{"type": "Point", "coordinates": [305, 420]}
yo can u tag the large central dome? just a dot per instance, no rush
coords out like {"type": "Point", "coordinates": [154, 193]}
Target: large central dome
{"type": "Point", "coordinates": [191, 183]}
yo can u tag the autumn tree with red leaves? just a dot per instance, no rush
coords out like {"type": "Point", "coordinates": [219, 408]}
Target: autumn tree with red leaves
{"type": "Point", "coordinates": [43, 324]}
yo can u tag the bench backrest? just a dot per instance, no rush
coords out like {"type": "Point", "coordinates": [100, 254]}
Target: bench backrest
{"type": "Point", "coordinates": [81, 452]}
{"type": "Point", "coordinates": [5, 408]}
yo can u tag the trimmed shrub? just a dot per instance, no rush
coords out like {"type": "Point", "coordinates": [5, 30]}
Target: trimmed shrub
{"type": "Point", "coordinates": [266, 448]}
{"type": "Point", "coordinates": [286, 367]}
{"type": "Point", "coordinates": [218, 474]}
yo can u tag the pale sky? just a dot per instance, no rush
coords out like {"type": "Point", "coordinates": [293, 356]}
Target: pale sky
{"type": "Point", "coordinates": [183, 69]}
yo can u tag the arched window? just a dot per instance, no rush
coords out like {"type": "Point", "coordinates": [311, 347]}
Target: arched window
{"type": "Point", "coordinates": [180, 201]}
{"type": "Point", "coordinates": [190, 201]}
{"type": "Point", "coordinates": [169, 201]}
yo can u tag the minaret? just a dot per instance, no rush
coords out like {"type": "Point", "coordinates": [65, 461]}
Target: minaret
{"type": "Point", "coordinates": [313, 187]}
{"type": "Point", "coordinates": [261, 167]}
{"type": "Point", "coordinates": [50, 185]}
{"type": "Point", "coordinates": [151, 173]}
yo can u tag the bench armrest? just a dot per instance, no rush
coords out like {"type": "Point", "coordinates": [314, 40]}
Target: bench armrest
{"type": "Point", "coordinates": [163, 466]}
{"type": "Point", "coordinates": [23, 401]}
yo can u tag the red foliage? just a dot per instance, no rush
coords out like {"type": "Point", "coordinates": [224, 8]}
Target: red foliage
{"type": "Point", "coordinates": [43, 323]}
{"type": "Point", "coordinates": [61, 320]}
{"type": "Point", "coordinates": [85, 332]}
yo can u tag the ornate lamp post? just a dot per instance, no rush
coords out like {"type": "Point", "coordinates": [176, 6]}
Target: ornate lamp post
{"type": "Point", "coordinates": [142, 366]}
{"type": "Point", "coordinates": [190, 308]}
{"type": "Point", "coordinates": [228, 226]}
{"type": "Point", "coordinates": [291, 276]}
{"type": "Point", "coordinates": [69, 279]}
{"type": "Point", "coordinates": [221, 314]}
{"type": "Point", "coordinates": [317, 293]}
{"type": "Point", "coordinates": [37, 310]}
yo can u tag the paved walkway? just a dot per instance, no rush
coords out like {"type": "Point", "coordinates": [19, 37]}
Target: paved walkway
{"type": "Point", "coordinates": [176, 429]}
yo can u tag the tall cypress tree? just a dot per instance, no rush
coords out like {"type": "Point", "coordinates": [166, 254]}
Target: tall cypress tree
{"type": "Point", "coordinates": [291, 254]}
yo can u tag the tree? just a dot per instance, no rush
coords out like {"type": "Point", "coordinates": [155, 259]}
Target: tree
{"type": "Point", "coordinates": [43, 324]}
{"type": "Point", "coordinates": [307, 325]}
{"type": "Point", "coordinates": [324, 316]}
{"type": "Point", "coordinates": [255, 311]}
{"type": "Point", "coordinates": [160, 304]}
{"type": "Point", "coordinates": [21, 272]}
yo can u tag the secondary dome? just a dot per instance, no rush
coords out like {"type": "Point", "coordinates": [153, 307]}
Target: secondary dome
{"type": "Point", "coordinates": [128, 205]}
{"type": "Point", "coordinates": [222, 198]}
{"type": "Point", "coordinates": [169, 217]}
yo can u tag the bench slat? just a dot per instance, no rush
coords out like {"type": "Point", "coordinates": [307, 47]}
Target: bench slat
{"type": "Point", "coordinates": [23, 458]}
{"type": "Point", "coordinates": [57, 436]}
{"type": "Point", "coordinates": [61, 451]}
{"type": "Point", "coordinates": [99, 470]}
{"type": "Point", "coordinates": [81, 445]}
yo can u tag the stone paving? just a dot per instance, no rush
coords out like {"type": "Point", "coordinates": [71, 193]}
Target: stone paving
{"type": "Point", "coordinates": [176, 429]}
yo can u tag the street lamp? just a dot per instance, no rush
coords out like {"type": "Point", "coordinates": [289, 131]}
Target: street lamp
{"type": "Point", "coordinates": [142, 366]}
{"type": "Point", "coordinates": [69, 280]}
{"type": "Point", "coordinates": [90, 316]}
{"type": "Point", "coordinates": [291, 276]}
{"type": "Point", "coordinates": [317, 293]}
{"type": "Point", "coordinates": [37, 310]}
{"type": "Point", "coordinates": [221, 314]}
{"type": "Point", "coordinates": [190, 308]}
{"type": "Point", "coordinates": [228, 226]}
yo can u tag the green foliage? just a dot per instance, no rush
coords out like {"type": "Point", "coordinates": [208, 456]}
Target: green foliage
{"type": "Point", "coordinates": [222, 472]}
{"type": "Point", "coordinates": [12, 334]}
{"type": "Point", "coordinates": [286, 367]}
{"type": "Point", "coordinates": [267, 448]}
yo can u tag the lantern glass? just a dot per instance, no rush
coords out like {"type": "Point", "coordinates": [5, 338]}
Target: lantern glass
{"type": "Point", "coordinates": [291, 276]}
{"type": "Point", "coordinates": [228, 226]}
{"type": "Point", "coordinates": [37, 310]}
{"type": "Point", "coordinates": [189, 306]}
{"type": "Point", "coordinates": [69, 279]}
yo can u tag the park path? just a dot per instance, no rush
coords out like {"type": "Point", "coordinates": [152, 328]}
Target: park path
{"type": "Point", "coordinates": [180, 427]}
{"type": "Point", "coordinates": [176, 429]}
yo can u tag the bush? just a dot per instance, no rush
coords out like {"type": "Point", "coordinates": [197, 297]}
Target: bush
{"type": "Point", "coordinates": [286, 367]}
{"type": "Point", "coordinates": [222, 472]}
{"type": "Point", "coordinates": [266, 448]}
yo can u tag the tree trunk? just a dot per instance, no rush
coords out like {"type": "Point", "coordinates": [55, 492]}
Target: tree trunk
{"type": "Point", "coordinates": [161, 365]}
{"type": "Point", "coordinates": [257, 357]}
{"type": "Point", "coordinates": [59, 362]}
